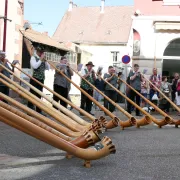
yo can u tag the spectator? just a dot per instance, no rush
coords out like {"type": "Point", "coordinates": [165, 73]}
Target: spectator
{"type": "Point", "coordinates": [143, 91]}
{"type": "Point", "coordinates": [174, 86]}
{"type": "Point", "coordinates": [165, 88]}
{"type": "Point", "coordinates": [178, 94]}
{"type": "Point", "coordinates": [156, 80]}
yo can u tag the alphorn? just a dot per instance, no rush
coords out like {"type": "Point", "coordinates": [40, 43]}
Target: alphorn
{"type": "Point", "coordinates": [97, 125]}
{"type": "Point", "coordinates": [87, 139]}
{"type": "Point", "coordinates": [128, 123]}
{"type": "Point", "coordinates": [42, 118]}
{"type": "Point", "coordinates": [60, 107]}
{"type": "Point", "coordinates": [42, 105]}
{"type": "Point", "coordinates": [33, 120]}
{"type": "Point", "coordinates": [111, 124]}
{"type": "Point", "coordinates": [174, 105]}
{"type": "Point", "coordinates": [56, 94]}
{"type": "Point", "coordinates": [149, 102]}
{"type": "Point", "coordinates": [105, 148]}
{"type": "Point", "coordinates": [161, 123]}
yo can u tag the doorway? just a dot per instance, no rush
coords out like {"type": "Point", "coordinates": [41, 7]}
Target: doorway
{"type": "Point", "coordinates": [171, 60]}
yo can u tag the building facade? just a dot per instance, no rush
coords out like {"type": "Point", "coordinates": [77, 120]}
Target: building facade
{"type": "Point", "coordinates": [13, 37]}
{"type": "Point", "coordinates": [156, 27]}
{"type": "Point", "coordinates": [105, 32]}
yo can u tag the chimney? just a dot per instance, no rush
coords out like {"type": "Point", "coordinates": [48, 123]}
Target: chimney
{"type": "Point", "coordinates": [102, 6]}
{"type": "Point", "coordinates": [70, 5]}
{"type": "Point", "coordinates": [74, 5]}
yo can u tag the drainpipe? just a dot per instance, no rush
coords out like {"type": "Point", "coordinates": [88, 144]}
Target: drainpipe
{"type": "Point", "coordinates": [5, 25]}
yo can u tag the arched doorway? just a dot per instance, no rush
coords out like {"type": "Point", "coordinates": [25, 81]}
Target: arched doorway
{"type": "Point", "coordinates": [171, 59]}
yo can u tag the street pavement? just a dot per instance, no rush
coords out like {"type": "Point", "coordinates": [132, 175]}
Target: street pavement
{"type": "Point", "coordinates": [148, 153]}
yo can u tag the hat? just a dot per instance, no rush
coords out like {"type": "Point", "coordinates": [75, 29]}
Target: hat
{"type": "Point", "coordinates": [2, 53]}
{"type": "Point", "coordinates": [40, 48]}
{"type": "Point", "coordinates": [90, 63]}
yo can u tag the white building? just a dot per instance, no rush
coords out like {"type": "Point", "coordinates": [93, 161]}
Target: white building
{"type": "Point", "coordinates": [105, 32]}
{"type": "Point", "coordinates": [156, 27]}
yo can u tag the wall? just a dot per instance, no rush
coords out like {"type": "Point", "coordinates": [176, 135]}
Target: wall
{"type": "Point", "coordinates": [153, 43]}
{"type": "Point", "coordinates": [14, 38]}
{"type": "Point", "coordinates": [149, 7]}
{"type": "Point", "coordinates": [101, 54]}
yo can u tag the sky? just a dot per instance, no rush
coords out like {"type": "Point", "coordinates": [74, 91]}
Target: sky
{"type": "Point", "coordinates": [50, 12]}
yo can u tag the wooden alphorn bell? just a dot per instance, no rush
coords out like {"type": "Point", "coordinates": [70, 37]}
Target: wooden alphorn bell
{"type": "Point", "coordinates": [105, 148]}
{"type": "Point", "coordinates": [138, 107]}
{"type": "Point", "coordinates": [41, 118]}
{"type": "Point", "coordinates": [110, 124]}
{"type": "Point", "coordinates": [123, 124]}
{"type": "Point", "coordinates": [85, 131]}
{"type": "Point", "coordinates": [56, 94]}
{"type": "Point", "coordinates": [85, 140]}
{"type": "Point", "coordinates": [161, 123]}
{"type": "Point", "coordinates": [167, 120]}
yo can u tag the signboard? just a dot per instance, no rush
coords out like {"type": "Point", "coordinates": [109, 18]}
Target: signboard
{"type": "Point", "coordinates": [126, 59]}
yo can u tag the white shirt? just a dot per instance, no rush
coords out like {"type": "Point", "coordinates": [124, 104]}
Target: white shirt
{"type": "Point", "coordinates": [35, 64]}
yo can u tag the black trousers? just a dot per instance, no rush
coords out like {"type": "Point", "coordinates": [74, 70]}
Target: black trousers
{"type": "Point", "coordinates": [113, 96]}
{"type": "Point", "coordinates": [173, 95]}
{"type": "Point", "coordinates": [36, 85]}
{"type": "Point", "coordinates": [61, 91]}
{"type": "Point", "coordinates": [86, 103]}
{"type": "Point", "coordinates": [132, 96]}
{"type": "Point", "coordinates": [4, 90]}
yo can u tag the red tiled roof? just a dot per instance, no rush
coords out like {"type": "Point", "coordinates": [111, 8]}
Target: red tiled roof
{"type": "Point", "coordinates": [88, 25]}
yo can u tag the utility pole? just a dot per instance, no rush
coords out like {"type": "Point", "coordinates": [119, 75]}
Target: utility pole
{"type": "Point", "coordinates": [5, 25]}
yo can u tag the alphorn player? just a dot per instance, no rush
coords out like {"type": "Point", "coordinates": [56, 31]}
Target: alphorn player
{"type": "Point", "coordinates": [61, 84]}
{"type": "Point", "coordinates": [4, 89]}
{"type": "Point", "coordinates": [135, 81]}
{"type": "Point", "coordinates": [38, 65]}
{"type": "Point", "coordinates": [109, 91]}
{"type": "Point", "coordinates": [89, 74]}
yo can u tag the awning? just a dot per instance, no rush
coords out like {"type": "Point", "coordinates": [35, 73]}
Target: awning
{"type": "Point", "coordinates": [167, 26]}
{"type": "Point", "coordinates": [40, 38]}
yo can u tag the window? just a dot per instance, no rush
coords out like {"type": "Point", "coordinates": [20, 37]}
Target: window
{"type": "Point", "coordinates": [52, 56]}
{"type": "Point", "coordinates": [72, 57]}
{"type": "Point", "coordinates": [115, 56]}
{"type": "Point", "coordinates": [171, 2]}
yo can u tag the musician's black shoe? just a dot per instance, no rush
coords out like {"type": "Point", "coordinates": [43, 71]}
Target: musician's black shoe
{"type": "Point", "coordinates": [91, 113]}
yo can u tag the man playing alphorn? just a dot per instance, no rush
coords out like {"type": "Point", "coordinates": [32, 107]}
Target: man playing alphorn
{"type": "Point", "coordinates": [38, 65]}
{"type": "Point", "coordinates": [4, 89]}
